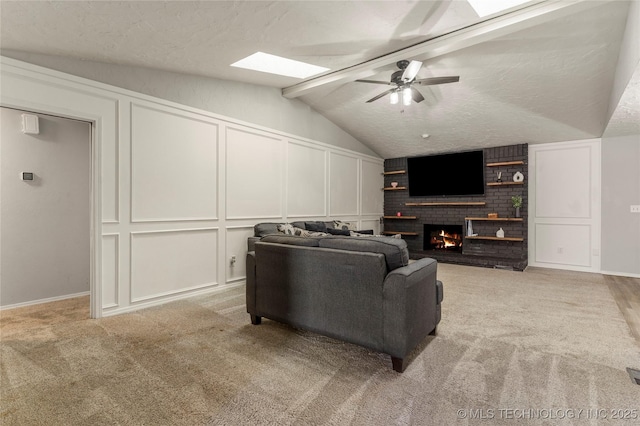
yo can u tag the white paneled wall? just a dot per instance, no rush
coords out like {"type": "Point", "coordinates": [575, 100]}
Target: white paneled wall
{"type": "Point", "coordinates": [168, 262]}
{"type": "Point", "coordinates": [254, 166]}
{"type": "Point", "coordinates": [110, 270]}
{"type": "Point", "coordinates": [306, 180]}
{"type": "Point", "coordinates": [343, 185]}
{"type": "Point", "coordinates": [176, 191]}
{"type": "Point", "coordinates": [564, 211]}
{"type": "Point", "coordinates": [174, 163]}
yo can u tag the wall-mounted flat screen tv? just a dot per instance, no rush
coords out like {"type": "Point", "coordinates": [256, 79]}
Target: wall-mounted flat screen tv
{"type": "Point", "coordinates": [460, 173]}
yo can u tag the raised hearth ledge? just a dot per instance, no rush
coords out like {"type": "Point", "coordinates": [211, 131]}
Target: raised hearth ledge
{"type": "Point", "coordinates": [471, 259]}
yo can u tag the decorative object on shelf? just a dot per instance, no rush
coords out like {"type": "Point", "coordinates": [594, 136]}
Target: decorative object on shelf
{"type": "Point", "coordinates": [518, 177]}
{"type": "Point", "coordinates": [399, 214]}
{"type": "Point", "coordinates": [394, 184]}
{"type": "Point", "coordinates": [500, 233]}
{"type": "Point", "coordinates": [492, 215]}
{"type": "Point", "coordinates": [499, 177]}
{"type": "Point", "coordinates": [516, 200]}
{"type": "Point", "coordinates": [470, 229]}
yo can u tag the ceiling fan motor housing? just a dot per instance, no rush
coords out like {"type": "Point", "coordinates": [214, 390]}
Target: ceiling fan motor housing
{"type": "Point", "coordinates": [402, 64]}
{"type": "Point", "coordinates": [396, 77]}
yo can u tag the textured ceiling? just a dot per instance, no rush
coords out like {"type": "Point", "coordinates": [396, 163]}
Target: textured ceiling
{"type": "Point", "coordinates": [542, 78]}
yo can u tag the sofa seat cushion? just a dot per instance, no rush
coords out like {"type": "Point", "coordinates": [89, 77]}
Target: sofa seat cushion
{"type": "Point", "coordinates": [395, 250]}
{"type": "Point", "coordinates": [293, 240]}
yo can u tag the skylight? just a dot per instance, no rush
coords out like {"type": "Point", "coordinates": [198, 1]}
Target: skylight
{"type": "Point", "coordinates": [272, 64]}
{"type": "Point", "coordinates": [489, 7]}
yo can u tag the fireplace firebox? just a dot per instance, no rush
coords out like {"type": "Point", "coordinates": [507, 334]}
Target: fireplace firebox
{"type": "Point", "coordinates": [443, 237]}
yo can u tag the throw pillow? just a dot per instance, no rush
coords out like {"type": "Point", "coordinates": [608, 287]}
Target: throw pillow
{"type": "Point", "coordinates": [365, 231]}
{"type": "Point", "coordinates": [334, 231]}
{"type": "Point", "coordinates": [289, 229]}
{"type": "Point", "coordinates": [338, 224]}
{"type": "Point", "coordinates": [286, 228]}
{"type": "Point", "coordinates": [315, 226]}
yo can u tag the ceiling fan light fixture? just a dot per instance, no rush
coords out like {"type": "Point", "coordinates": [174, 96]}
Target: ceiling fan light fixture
{"type": "Point", "coordinates": [406, 96]}
{"type": "Point", "coordinates": [394, 98]}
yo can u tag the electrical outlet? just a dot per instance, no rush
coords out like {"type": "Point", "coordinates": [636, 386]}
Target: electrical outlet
{"type": "Point", "coordinates": [232, 260]}
{"type": "Point", "coordinates": [635, 208]}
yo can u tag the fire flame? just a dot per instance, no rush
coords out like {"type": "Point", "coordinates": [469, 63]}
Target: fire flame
{"type": "Point", "coordinates": [448, 240]}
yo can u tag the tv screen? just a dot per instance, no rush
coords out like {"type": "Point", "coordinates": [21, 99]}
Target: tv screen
{"type": "Point", "coordinates": [460, 173]}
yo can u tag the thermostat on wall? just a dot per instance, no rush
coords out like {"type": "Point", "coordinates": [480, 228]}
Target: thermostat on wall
{"type": "Point", "coordinates": [26, 175]}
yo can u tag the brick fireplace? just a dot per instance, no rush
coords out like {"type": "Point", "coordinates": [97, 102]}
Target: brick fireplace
{"type": "Point", "coordinates": [483, 250]}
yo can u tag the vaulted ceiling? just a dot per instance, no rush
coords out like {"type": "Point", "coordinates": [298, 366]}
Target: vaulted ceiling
{"type": "Point", "coordinates": [538, 73]}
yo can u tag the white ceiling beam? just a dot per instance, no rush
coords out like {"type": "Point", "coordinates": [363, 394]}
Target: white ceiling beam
{"type": "Point", "coordinates": [478, 33]}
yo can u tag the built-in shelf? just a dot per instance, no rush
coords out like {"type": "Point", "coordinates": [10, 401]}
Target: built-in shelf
{"type": "Point", "coordinates": [401, 217]}
{"type": "Point", "coordinates": [396, 172]}
{"type": "Point", "coordinates": [397, 188]}
{"type": "Point", "coordinates": [505, 163]}
{"type": "Point", "coordinates": [496, 219]}
{"type": "Point", "coordinates": [452, 203]}
{"type": "Point", "coordinates": [399, 232]}
{"type": "Point", "coordinates": [495, 238]}
{"type": "Point", "coordinates": [505, 183]}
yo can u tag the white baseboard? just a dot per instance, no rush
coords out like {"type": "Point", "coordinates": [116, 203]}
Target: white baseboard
{"type": "Point", "coordinates": [47, 300]}
{"type": "Point", "coordinates": [620, 274]}
{"type": "Point", "coordinates": [179, 296]}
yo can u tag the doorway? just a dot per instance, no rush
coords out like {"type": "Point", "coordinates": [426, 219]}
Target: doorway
{"type": "Point", "coordinates": [45, 213]}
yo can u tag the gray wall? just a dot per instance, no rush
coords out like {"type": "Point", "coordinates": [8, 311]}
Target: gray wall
{"type": "Point", "coordinates": [45, 223]}
{"type": "Point", "coordinates": [621, 159]}
{"type": "Point", "coordinates": [252, 103]}
{"type": "Point", "coordinates": [620, 189]}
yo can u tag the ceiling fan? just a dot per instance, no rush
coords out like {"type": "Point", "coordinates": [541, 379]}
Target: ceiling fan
{"type": "Point", "coordinates": [404, 79]}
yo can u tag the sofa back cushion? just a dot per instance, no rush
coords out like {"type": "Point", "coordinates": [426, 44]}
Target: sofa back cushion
{"type": "Point", "coordinates": [265, 228]}
{"type": "Point", "coordinates": [293, 240]}
{"type": "Point", "coordinates": [395, 250]}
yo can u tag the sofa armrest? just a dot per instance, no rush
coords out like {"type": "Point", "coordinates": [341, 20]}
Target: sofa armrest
{"type": "Point", "coordinates": [251, 243]}
{"type": "Point", "coordinates": [251, 282]}
{"type": "Point", "coordinates": [410, 306]}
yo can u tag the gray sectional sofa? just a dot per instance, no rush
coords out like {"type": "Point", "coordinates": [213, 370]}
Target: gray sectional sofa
{"type": "Point", "coordinates": [361, 290]}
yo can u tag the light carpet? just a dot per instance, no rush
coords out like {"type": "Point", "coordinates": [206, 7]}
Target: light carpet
{"type": "Point", "coordinates": [533, 347]}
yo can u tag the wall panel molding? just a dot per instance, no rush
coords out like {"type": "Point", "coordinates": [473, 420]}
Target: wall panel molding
{"type": "Point", "coordinates": [344, 185]}
{"type": "Point", "coordinates": [564, 208]}
{"type": "Point", "coordinates": [306, 180]}
{"type": "Point", "coordinates": [168, 262]}
{"type": "Point", "coordinates": [173, 165]}
{"type": "Point", "coordinates": [110, 270]}
{"type": "Point", "coordinates": [254, 174]}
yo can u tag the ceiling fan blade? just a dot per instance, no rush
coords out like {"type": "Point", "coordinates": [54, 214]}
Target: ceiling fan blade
{"type": "Point", "coordinates": [380, 95]}
{"type": "Point", "coordinates": [386, 83]}
{"type": "Point", "coordinates": [437, 80]}
{"type": "Point", "coordinates": [417, 96]}
{"type": "Point", "coordinates": [411, 71]}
